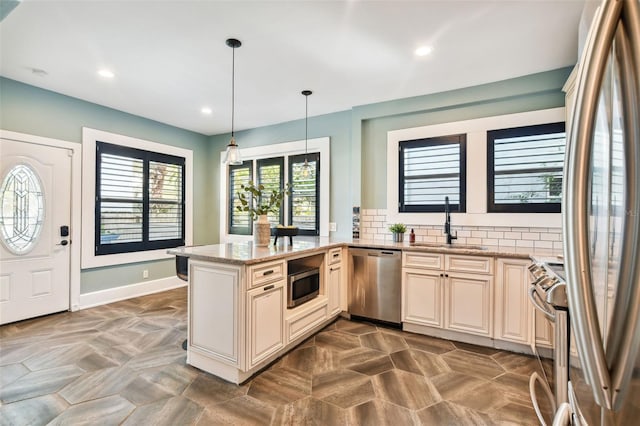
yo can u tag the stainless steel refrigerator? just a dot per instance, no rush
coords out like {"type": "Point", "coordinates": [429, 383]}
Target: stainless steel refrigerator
{"type": "Point", "coordinates": [601, 223]}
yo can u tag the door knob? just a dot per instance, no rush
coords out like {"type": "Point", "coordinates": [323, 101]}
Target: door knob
{"type": "Point", "coordinates": [63, 243]}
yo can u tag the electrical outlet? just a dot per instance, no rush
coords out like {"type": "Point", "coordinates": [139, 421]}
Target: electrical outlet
{"type": "Point", "coordinates": [145, 273]}
{"type": "Point", "coordinates": [333, 227]}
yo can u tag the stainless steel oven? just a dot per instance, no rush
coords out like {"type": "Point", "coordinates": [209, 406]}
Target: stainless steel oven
{"type": "Point", "coordinates": [303, 284]}
{"type": "Point", "coordinates": [548, 384]}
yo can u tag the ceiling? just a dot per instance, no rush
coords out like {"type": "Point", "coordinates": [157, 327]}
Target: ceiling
{"type": "Point", "coordinates": [170, 58]}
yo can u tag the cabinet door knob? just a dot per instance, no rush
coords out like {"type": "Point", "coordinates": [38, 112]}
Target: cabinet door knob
{"type": "Point", "coordinates": [269, 287]}
{"type": "Point", "coordinates": [269, 272]}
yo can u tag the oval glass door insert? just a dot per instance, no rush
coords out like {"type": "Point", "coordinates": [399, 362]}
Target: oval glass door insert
{"type": "Point", "coordinates": [21, 209]}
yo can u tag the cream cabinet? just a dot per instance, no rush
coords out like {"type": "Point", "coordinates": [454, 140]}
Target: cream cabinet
{"type": "Point", "coordinates": [469, 303]}
{"type": "Point", "coordinates": [448, 291]}
{"type": "Point", "coordinates": [215, 323]}
{"type": "Point", "coordinates": [334, 288]}
{"type": "Point", "coordinates": [514, 313]}
{"type": "Point", "coordinates": [266, 307]}
{"type": "Point", "coordinates": [422, 297]}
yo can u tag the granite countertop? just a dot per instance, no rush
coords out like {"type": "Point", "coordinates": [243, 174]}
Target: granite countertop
{"type": "Point", "coordinates": [245, 253]}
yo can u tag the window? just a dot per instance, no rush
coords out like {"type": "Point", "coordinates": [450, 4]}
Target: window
{"type": "Point", "coordinates": [304, 210]}
{"type": "Point", "coordinates": [140, 199]}
{"type": "Point", "coordinates": [271, 175]}
{"type": "Point", "coordinates": [430, 170]}
{"type": "Point", "coordinates": [524, 169]}
{"type": "Point", "coordinates": [239, 222]}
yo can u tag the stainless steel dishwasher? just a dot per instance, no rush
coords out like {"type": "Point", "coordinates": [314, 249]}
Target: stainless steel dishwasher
{"type": "Point", "coordinates": [375, 284]}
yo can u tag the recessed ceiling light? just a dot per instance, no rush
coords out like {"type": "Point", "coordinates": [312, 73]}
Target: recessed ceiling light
{"type": "Point", "coordinates": [206, 110]}
{"type": "Point", "coordinates": [423, 50]}
{"type": "Point", "coordinates": [106, 73]}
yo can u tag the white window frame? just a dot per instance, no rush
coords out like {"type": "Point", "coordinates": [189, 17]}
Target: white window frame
{"type": "Point", "coordinates": [476, 131]}
{"type": "Point", "coordinates": [320, 145]}
{"type": "Point", "coordinates": [89, 138]}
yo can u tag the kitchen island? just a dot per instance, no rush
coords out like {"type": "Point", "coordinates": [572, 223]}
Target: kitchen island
{"type": "Point", "coordinates": [239, 322]}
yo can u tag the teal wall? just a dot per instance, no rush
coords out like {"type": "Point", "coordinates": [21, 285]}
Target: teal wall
{"type": "Point", "coordinates": [27, 109]}
{"type": "Point", "coordinates": [358, 144]}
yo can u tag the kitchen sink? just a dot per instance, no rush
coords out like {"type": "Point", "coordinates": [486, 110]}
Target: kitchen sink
{"type": "Point", "coordinates": [450, 246]}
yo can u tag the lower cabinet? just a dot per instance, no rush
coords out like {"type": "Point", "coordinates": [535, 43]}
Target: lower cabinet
{"type": "Point", "coordinates": [266, 306]}
{"type": "Point", "coordinates": [334, 288]}
{"type": "Point", "coordinates": [469, 301]}
{"type": "Point", "coordinates": [514, 312]}
{"type": "Point", "coordinates": [214, 303]}
{"type": "Point", "coordinates": [422, 297]}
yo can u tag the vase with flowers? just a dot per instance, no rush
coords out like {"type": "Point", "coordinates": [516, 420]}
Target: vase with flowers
{"type": "Point", "coordinates": [259, 202]}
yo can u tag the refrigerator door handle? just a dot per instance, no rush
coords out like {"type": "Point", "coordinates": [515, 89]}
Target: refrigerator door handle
{"type": "Point", "coordinates": [563, 415]}
{"type": "Point", "coordinates": [625, 332]}
{"type": "Point", "coordinates": [576, 200]}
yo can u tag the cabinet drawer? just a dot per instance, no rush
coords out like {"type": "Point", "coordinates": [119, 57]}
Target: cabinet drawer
{"type": "Point", "coordinates": [412, 259]}
{"type": "Point", "coordinates": [300, 324]}
{"type": "Point", "coordinates": [265, 273]}
{"type": "Point", "coordinates": [334, 256]}
{"type": "Point", "coordinates": [473, 264]}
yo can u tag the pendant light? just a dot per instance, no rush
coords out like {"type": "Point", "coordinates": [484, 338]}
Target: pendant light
{"type": "Point", "coordinates": [232, 156]}
{"type": "Point", "coordinates": [306, 169]}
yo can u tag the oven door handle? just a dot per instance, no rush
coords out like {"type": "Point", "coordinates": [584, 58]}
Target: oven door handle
{"type": "Point", "coordinates": [533, 296]}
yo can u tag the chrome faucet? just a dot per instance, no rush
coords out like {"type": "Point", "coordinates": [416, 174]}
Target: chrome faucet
{"type": "Point", "coordinates": [447, 222]}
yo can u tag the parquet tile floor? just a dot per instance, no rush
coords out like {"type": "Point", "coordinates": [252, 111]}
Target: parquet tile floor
{"type": "Point", "coordinates": [123, 364]}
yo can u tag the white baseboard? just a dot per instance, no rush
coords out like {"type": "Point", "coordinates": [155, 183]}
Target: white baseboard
{"type": "Point", "coordinates": [110, 295]}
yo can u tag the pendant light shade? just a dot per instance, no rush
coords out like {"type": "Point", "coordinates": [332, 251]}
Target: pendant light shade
{"type": "Point", "coordinates": [306, 169]}
{"type": "Point", "coordinates": [232, 156]}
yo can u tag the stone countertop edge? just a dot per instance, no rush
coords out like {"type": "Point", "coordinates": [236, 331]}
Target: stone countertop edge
{"type": "Point", "coordinates": [244, 253]}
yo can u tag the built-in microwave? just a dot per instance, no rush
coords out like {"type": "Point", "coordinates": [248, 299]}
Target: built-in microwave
{"type": "Point", "coordinates": [303, 284]}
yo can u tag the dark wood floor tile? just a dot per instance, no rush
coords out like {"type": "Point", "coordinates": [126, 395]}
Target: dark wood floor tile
{"type": "Point", "coordinates": [350, 396]}
{"type": "Point", "coordinates": [140, 391]}
{"type": "Point", "coordinates": [309, 411]}
{"type": "Point", "coordinates": [517, 386]}
{"type": "Point", "coordinates": [118, 323]}
{"type": "Point", "coordinates": [473, 364]}
{"type": "Point", "coordinates": [280, 386]}
{"type": "Point", "coordinates": [404, 360]}
{"type": "Point", "coordinates": [449, 414]}
{"type": "Point", "coordinates": [384, 342]}
{"type": "Point", "coordinates": [405, 389]}
{"type": "Point", "coordinates": [243, 410]}
{"type": "Point", "coordinates": [33, 412]}
{"type": "Point", "coordinates": [453, 384]}
{"type": "Point", "coordinates": [173, 378]}
{"type": "Point", "coordinates": [372, 367]}
{"type": "Point", "coordinates": [12, 372]}
{"type": "Point", "coordinates": [515, 414]}
{"type": "Point", "coordinates": [482, 350]}
{"type": "Point", "coordinates": [516, 363]}
{"type": "Point", "coordinates": [336, 340]}
{"type": "Point", "coordinates": [429, 344]}
{"type": "Point", "coordinates": [380, 413]}
{"type": "Point", "coordinates": [157, 357]}
{"type": "Point", "coordinates": [357, 356]}
{"type": "Point", "coordinates": [57, 357]}
{"type": "Point", "coordinates": [160, 339]}
{"type": "Point", "coordinates": [119, 354]}
{"type": "Point", "coordinates": [97, 384]}
{"type": "Point", "coordinates": [39, 383]}
{"type": "Point", "coordinates": [94, 361]}
{"type": "Point", "coordinates": [352, 327]}
{"type": "Point", "coordinates": [484, 398]}
{"type": "Point", "coordinates": [111, 410]}
{"type": "Point", "coordinates": [207, 390]}
{"type": "Point", "coordinates": [336, 381]}
{"type": "Point", "coordinates": [167, 412]}
{"type": "Point", "coordinates": [430, 364]}
{"type": "Point", "coordinates": [311, 360]}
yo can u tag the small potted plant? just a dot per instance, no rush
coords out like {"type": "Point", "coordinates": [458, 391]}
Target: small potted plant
{"type": "Point", "coordinates": [255, 200]}
{"type": "Point", "coordinates": [398, 230]}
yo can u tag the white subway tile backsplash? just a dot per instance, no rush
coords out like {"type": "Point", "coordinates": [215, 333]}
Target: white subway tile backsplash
{"type": "Point", "coordinates": [374, 225]}
{"type": "Point", "coordinates": [530, 235]}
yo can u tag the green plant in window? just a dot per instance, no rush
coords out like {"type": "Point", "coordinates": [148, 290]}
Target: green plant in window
{"type": "Point", "coordinates": [255, 200]}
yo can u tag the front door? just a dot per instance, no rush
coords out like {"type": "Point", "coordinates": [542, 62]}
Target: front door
{"type": "Point", "coordinates": [35, 213]}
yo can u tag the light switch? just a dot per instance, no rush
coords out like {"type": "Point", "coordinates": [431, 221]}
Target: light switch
{"type": "Point", "coordinates": [332, 227]}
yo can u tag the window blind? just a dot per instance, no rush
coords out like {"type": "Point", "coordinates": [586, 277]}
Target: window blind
{"type": "Point", "coordinates": [430, 170]}
{"type": "Point", "coordinates": [239, 222]}
{"type": "Point", "coordinates": [271, 175]}
{"type": "Point", "coordinates": [304, 211]}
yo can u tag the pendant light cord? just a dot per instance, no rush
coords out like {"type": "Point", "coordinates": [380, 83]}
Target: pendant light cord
{"type": "Point", "coordinates": [306, 126]}
{"type": "Point", "coordinates": [233, 87]}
